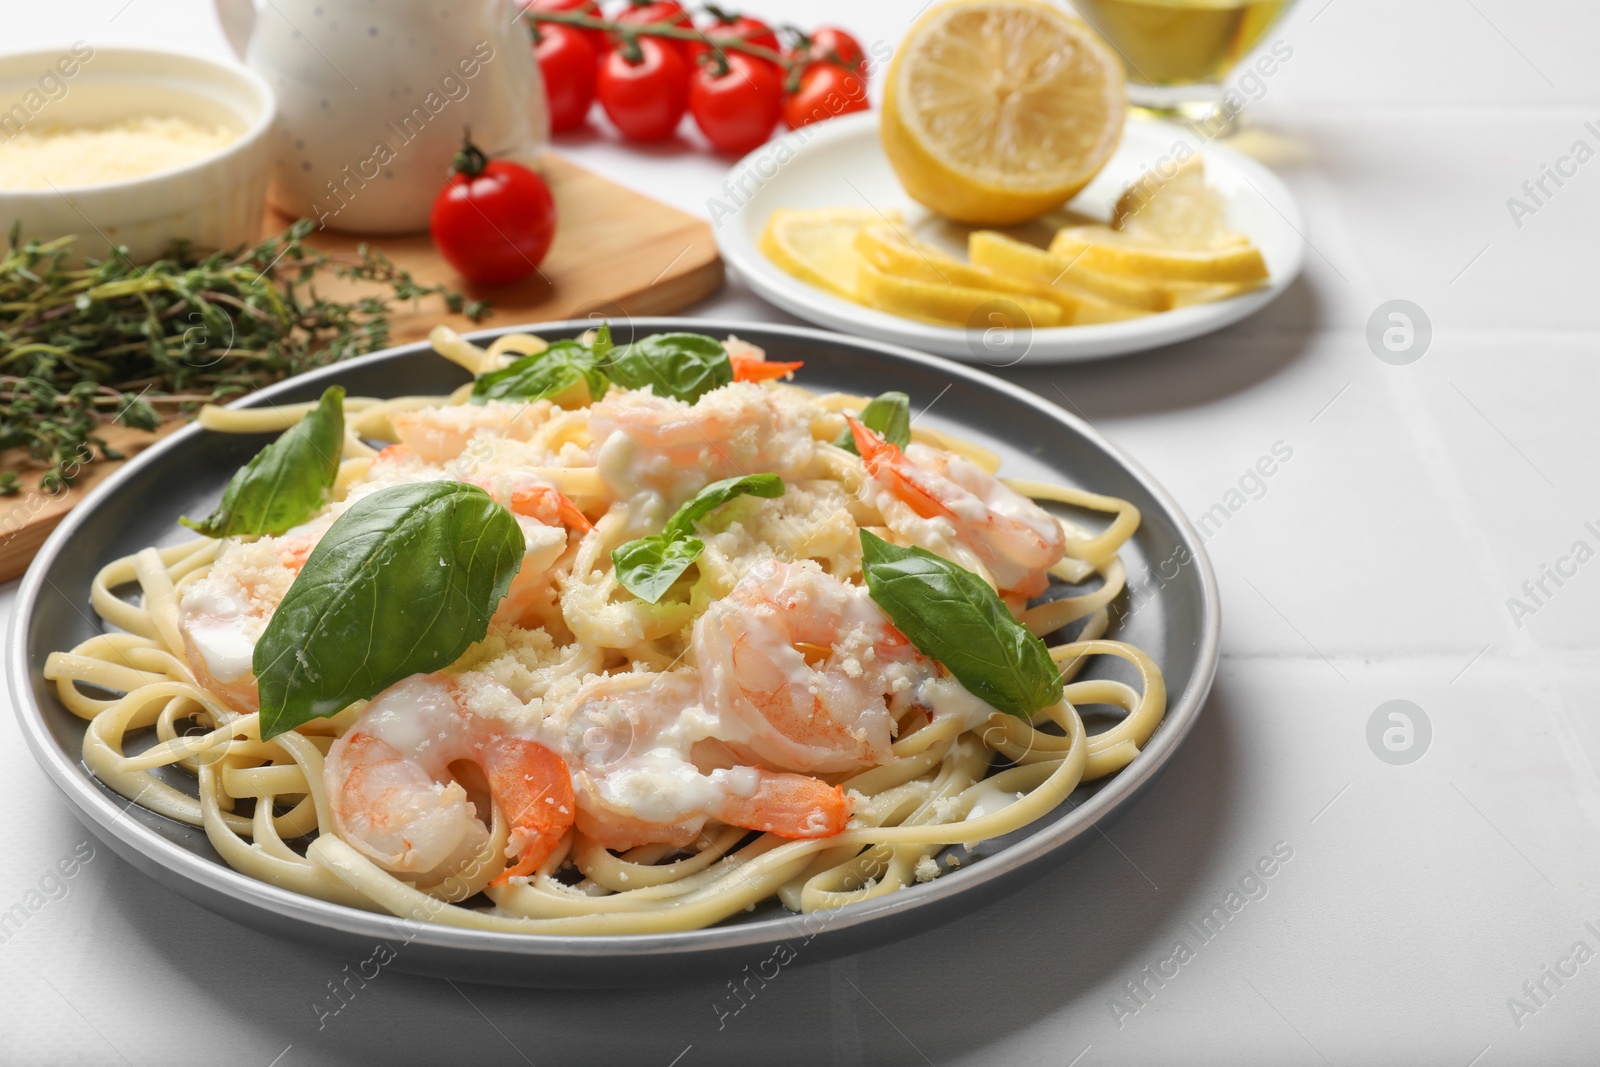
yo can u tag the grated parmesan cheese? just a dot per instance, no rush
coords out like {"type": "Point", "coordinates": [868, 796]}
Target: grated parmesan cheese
{"type": "Point", "coordinates": [94, 155]}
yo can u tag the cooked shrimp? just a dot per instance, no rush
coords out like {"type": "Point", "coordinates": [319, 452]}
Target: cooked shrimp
{"type": "Point", "coordinates": [650, 443]}
{"type": "Point", "coordinates": [806, 672]}
{"type": "Point", "coordinates": [393, 798]}
{"type": "Point", "coordinates": [632, 742]}
{"type": "Point", "coordinates": [1014, 538]}
{"type": "Point", "coordinates": [442, 433]}
{"type": "Point", "coordinates": [545, 516]}
{"type": "Point", "coordinates": [222, 615]}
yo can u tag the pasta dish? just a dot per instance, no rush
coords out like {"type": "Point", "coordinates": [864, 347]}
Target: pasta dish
{"type": "Point", "coordinates": [614, 639]}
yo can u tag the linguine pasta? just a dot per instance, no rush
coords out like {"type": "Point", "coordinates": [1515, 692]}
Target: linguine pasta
{"type": "Point", "coordinates": [697, 792]}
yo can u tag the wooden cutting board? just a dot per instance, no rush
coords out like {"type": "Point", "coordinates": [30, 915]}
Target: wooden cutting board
{"type": "Point", "coordinates": [616, 254]}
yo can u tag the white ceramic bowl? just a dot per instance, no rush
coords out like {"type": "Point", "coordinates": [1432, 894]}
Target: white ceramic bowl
{"type": "Point", "coordinates": [213, 202]}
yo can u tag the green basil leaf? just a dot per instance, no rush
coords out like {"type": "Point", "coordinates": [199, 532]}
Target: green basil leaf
{"type": "Point", "coordinates": [288, 481]}
{"type": "Point", "coordinates": [602, 346]}
{"type": "Point", "coordinates": [717, 494]}
{"type": "Point", "coordinates": [684, 366]}
{"type": "Point", "coordinates": [951, 614]}
{"type": "Point", "coordinates": [648, 566]}
{"type": "Point", "coordinates": [890, 415]}
{"type": "Point", "coordinates": [401, 584]}
{"type": "Point", "coordinates": [552, 374]}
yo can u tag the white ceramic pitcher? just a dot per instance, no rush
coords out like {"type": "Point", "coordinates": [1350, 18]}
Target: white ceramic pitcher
{"type": "Point", "coordinates": [373, 96]}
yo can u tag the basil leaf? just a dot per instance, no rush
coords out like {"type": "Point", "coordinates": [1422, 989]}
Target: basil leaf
{"type": "Point", "coordinates": [717, 494]}
{"type": "Point", "coordinates": [552, 374]}
{"type": "Point", "coordinates": [684, 366]}
{"type": "Point", "coordinates": [648, 566]}
{"type": "Point", "coordinates": [890, 415]}
{"type": "Point", "coordinates": [951, 614]}
{"type": "Point", "coordinates": [288, 481]}
{"type": "Point", "coordinates": [401, 584]}
{"type": "Point", "coordinates": [602, 346]}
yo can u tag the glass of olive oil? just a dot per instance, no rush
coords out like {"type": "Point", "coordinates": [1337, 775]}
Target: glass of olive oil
{"type": "Point", "coordinates": [1179, 52]}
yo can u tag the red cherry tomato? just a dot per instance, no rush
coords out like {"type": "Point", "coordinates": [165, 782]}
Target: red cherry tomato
{"type": "Point", "coordinates": [494, 220]}
{"type": "Point", "coordinates": [727, 25]}
{"type": "Point", "coordinates": [826, 91]}
{"type": "Point", "coordinates": [831, 44]}
{"type": "Point", "coordinates": [646, 12]}
{"type": "Point", "coordinates": [737, 102]}
{"type": "Point", "coordinates": [596, 38]}
{"type": "Point", "coordinates": [567, 62]}
{"type": "Point", "coordinates": [645, 97]}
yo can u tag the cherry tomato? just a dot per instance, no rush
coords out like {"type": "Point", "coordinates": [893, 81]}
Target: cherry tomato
{"type": "Point", "coordinates": [567, 62]}
{"type": "Point", "coordinates": [826, 91]}
{"type": "Point", "coordinates": [644, 97]}
{"type": "Point", "coordinates": [596, 38]}
{"type": "Point", "coordinates": [646, 12]}
{"type": "Point", "coordinates": [831, 43]}
{"type": "Point", "coordinates": [736, 102]}
{"type": "Point", "coordinates": [728, 25]}
{"type": "Point", "coordinates": [494, 219]}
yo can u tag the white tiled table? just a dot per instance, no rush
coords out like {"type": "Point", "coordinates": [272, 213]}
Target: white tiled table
{"type": "Point", "coordinates": [1376, 566]}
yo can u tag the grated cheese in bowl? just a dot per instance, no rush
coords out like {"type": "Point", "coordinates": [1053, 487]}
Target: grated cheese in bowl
{"type": "Point", "coordinates": [69, 157]}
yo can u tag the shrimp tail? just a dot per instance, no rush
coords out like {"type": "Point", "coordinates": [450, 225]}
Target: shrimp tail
{"type": "Point", "coordinates": [885, 462]}
{"type": "Point", "coordinates": [748, 369]}
{"type": "Point", "coordinates": [789, 805]}
{"type": "Point", "coordinates": [538, 501]}
{"type": "Point", "coordinates": [533, 788]}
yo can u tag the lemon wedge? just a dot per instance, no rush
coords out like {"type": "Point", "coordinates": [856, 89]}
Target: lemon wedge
{"type": "Point", "coordinates": [1167, 229]}
{"type": "Point", "coordinates": [996, 111]}
{"type": "Point", "coordinates": [818, 247]}
{"type": "Point", "coordinates": [1178, 211]}
{"type": "Point", "coordinates": [953, 305]}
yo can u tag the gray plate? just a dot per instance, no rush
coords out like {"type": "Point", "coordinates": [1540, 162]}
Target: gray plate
{"type": "Point", "coordinates": [1174, 616]}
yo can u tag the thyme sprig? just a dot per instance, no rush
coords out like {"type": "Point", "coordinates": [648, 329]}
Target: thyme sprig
{"type": "Point", "coordinates": [82, 347]}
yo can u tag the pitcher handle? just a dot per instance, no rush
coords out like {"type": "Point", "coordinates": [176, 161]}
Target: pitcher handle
{"type": "Point", "coordinates": [238, 19]}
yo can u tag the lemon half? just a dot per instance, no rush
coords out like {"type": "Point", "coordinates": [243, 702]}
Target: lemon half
{"type": "Point", "coordinates": [996, 111]}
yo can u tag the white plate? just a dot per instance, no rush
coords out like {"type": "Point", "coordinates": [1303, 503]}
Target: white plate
{"type": "Point", "coordinates": [839, 163]}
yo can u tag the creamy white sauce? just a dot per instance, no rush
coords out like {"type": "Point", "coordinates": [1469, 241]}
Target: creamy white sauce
{"type": "Point", "coordinates": [659, 787]}
{"type": "Point", "coordinates": [948, 698]}
{"type": "Point", "coordinates": [414, 714]}
{"type": "Point", "coordinates": [218, 628]}
{"type": "Point", "coordinates": [991, 800]}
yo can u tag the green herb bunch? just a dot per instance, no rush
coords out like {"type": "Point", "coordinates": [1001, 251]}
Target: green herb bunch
{"type": "Point", "coordinates": [81, 347]}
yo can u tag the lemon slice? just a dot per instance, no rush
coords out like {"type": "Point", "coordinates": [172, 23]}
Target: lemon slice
{"type": "Point", "coordinates": [996, 111]}
{"type": "Point", "coordinates": [1020, 259]}
{"type": "Point", "coordinates": [1100, 248]}
{"type": "Point", "coordinates": [1178, 211]}
{"type": "Point", "coordinates": [953, 305]}
{"type": "Point", "coordinates": [893, 251]}
{"type": "Point", "coordinates": [1086, 289]}
{"type": "Point", "coordinates": [818, 247]}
